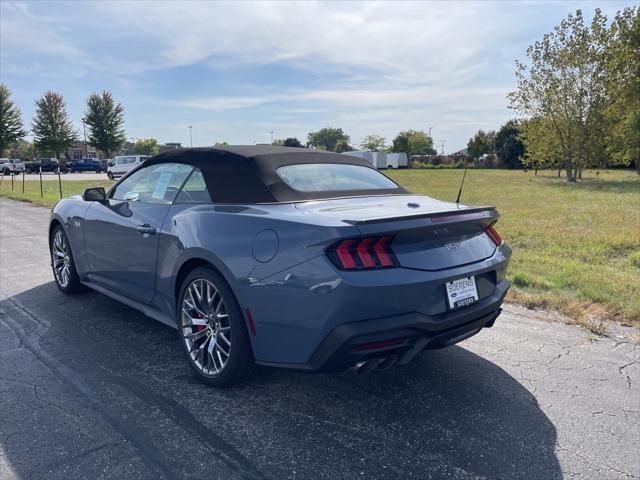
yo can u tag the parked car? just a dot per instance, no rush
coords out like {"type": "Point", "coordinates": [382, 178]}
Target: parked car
{"type": "Point", "coordinates": [86, 165]}
{"type": "Point", "coordinates": [10, 166]}
{"type": "Point", "coordinates": [283, 257]}
{"type": "Point", "coordinates": [122, 164]}
{"type": "Point", "coordinates": [5, 166]}
{"type": "Point", "coordinates": [18, 165]}
{"type": "Point", "coordinates": [47, 165]}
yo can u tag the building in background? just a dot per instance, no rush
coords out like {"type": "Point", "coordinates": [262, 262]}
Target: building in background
{"type": "Point", "coordinates": [170, 146]}
{"type": "Point", "coordinates": [79, 151]}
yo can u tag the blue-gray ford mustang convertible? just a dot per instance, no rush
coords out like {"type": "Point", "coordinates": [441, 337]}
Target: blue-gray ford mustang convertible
{"type": "Point", "coordinates": [283, 257]}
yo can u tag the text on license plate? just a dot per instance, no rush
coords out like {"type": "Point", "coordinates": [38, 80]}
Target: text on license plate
{"type": "Point", "coordinates": [461, 292]}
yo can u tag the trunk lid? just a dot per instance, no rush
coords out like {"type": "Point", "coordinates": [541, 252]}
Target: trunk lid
{"type": "Point", "coordinates": [428, 234]}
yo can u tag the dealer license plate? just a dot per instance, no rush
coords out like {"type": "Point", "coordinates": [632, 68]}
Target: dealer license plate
{"type": "Point", "coordinates": [461, 292]}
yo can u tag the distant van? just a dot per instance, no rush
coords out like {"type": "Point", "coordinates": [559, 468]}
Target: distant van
{"type": "Point", "coordinates": [118, 166]}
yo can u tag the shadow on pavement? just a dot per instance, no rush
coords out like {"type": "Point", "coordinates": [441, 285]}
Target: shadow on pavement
{"type": "Point", "coordinates": [450, 414]}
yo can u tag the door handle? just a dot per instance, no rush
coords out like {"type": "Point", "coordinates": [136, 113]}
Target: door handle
{"type": "Point", "coordinates": [147, 229]}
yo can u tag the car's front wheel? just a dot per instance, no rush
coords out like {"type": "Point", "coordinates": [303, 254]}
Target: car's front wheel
{"type": "Point", "coordinates": [110, 175]}
{"type": "Point", "coordinates": [212, 330]}
{"type": "Point", "coordinates": [64, 268]}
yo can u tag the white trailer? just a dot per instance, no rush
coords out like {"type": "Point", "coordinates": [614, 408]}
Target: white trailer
{"type": "Point", "coordinates": [379, 160]}
{"type": "Point", "coordinates": [396, 160]}
{"type": "Point", "coordinates": [368, 156]}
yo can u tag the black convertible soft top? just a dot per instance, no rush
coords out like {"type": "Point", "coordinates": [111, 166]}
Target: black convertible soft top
{"type": "Point", "coordinates": [247, 173]}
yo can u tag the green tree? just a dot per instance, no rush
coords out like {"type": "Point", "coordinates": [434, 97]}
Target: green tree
{"type": "Point", "coordinates": [542, 148]}
{"type": "Point", "coordinates": [342, 146]}
{"type": "Point", "coordinates": [481, 143]}
{"type": "Point", "coordinates": [565, 83]}
{"type": "Point", "coordinates": [623, 82]}
{"type": "Point", "coordinates": [52, 129]}
{"type": "Point", "coordinates": [105, 119]}
{"type": "Point", "coordinates": [23, 149]}
{"type": "Point", "coordinates": [373, 143]}
{"type": "Point", "coordinates": [293, 142]}
{"type": "Point", "coordinates": [508, 144]}
{"type": "Point", "coordinates": [412, 142]}
{"type": "Point", "coordinates": [329, 139]}
{"type": "Point", "coordinates": [146, 146]}
{"type": "Point", "coordinates": [11, 126]}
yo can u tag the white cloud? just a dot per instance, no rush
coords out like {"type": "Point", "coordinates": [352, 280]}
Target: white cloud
{"type": "Point", "coordinates": [400, 64]}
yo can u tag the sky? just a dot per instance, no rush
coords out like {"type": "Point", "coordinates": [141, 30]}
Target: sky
{"type": "Point", "coordinates": [238, 71]}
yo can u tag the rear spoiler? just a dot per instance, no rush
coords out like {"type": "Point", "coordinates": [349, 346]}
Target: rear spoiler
{"type": "Point", "coordinates": [447, 216]}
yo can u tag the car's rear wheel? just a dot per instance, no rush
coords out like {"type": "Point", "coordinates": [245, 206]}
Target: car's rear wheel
{"type": "Point", "coordinates": [212, 330]}
{"type": "Point", "coordinates": [64, 268]}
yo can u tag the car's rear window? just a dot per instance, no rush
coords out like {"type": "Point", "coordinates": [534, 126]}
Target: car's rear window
{"type": "Point", "coordinates": [333, 177]}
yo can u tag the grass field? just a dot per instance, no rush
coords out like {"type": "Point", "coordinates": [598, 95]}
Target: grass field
{"type": "Point", "coordinates": [51, 189]}
{"type": "Point", "coordinates": [576, 248]}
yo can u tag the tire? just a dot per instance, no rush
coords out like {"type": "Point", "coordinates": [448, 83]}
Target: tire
{"type": "Point", "coordinates": [218, 349]}
{"type": "Point", "coordinates": [110, 175]}
{"type": "Point", "coordinates": [62, 263]}
{"type": "Point", "coordinates": [6, 171]}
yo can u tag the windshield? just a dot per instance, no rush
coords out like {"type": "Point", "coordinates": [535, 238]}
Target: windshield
{"type": "Point", "coordinates": [331, 177]}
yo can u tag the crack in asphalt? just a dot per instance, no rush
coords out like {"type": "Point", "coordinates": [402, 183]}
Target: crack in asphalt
{"type": "Point", "coordinates": [621, 370]}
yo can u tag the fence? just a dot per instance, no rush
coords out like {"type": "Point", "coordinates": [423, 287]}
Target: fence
{"type": "Point", "coordinates": [23, 173]}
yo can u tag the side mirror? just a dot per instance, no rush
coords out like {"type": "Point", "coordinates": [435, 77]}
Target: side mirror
{"type": "Point", "coordinates": [95, 194]}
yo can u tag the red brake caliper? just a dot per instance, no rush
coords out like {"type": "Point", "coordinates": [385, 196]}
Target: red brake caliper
{"type": "Point", "coordinates": [199, 328]}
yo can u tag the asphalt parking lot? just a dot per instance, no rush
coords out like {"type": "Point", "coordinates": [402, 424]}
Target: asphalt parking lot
{"type": "Point", "coordinates": [90, 388]}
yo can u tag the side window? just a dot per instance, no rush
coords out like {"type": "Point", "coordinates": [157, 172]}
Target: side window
{"type": "Point", "coordinates": [194, 189]}
{"type": "Point", "coordinates": [157, 184]}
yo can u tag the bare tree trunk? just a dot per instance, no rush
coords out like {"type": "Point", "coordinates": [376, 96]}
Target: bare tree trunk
{"type": "Point", "coordinates": [568, 166]}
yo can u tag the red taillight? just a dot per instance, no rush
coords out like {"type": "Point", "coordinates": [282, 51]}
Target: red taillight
{"type": "Point", "coordinates": [381, 248]}
{"type": "Point", "coordinates": [494, 236]}
{"type": "Point", "coordinates": [363, 253]}
{"type": "Point", "coordinates": [345, 257]}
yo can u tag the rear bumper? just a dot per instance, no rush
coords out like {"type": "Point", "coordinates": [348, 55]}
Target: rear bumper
{"type": "Point", "coordinates": [398, 339]}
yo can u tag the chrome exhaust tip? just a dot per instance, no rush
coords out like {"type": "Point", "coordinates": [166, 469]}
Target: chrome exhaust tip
{"type": "Point", "coordinates": [388, 362]}
{"type": "Point", "coordinates": [367, 366]}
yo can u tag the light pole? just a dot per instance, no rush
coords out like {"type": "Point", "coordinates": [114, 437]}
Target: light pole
{"type": "Point", "coordinates": [271, 132]}
{"type": "Point", "coordinates": [84, 132]}
{"type": "Point", "coordinates": [190, 136]}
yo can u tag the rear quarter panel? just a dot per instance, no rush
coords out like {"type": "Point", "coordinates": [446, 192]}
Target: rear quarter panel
{"type": "Point", "coordinates": [225, 236]}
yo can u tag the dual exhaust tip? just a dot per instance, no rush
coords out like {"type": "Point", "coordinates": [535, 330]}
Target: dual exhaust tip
{"type": "Point", "coordinates": [372, 364]}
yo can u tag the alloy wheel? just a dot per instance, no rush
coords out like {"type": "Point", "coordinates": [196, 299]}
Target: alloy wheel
{"type": "Point", "coordinates": [205, 325]}
{"type": "Point", "coordinates": [61, 255]}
